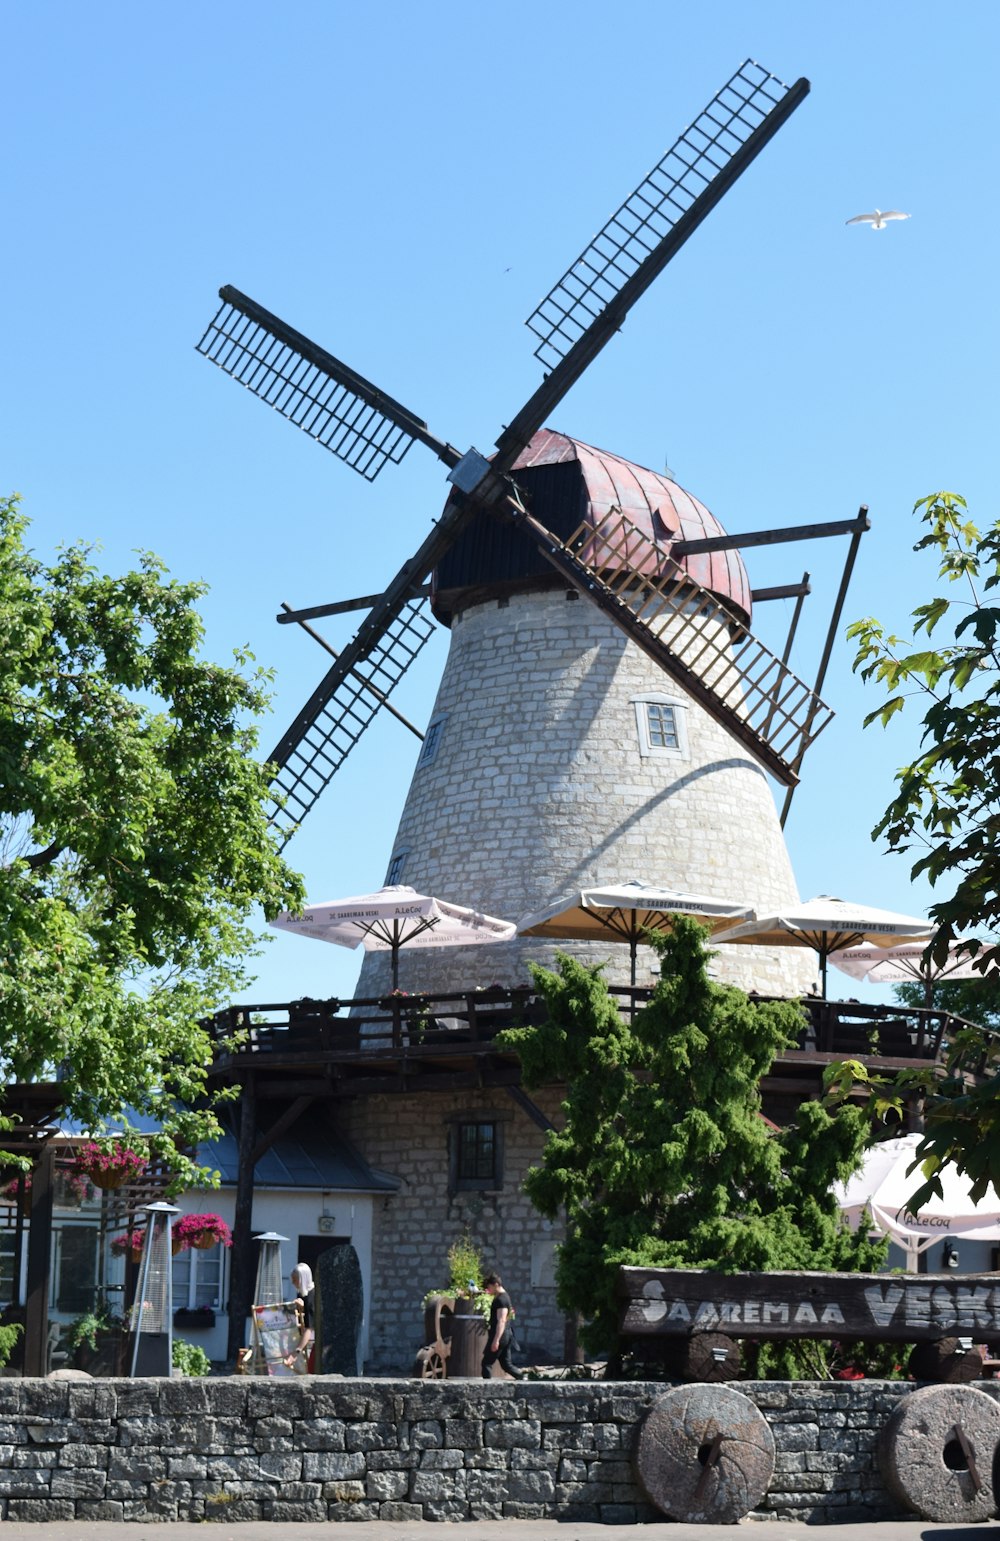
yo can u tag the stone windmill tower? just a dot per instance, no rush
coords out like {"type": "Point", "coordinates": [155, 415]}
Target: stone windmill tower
{"type": "Point", "coordinates": [558, 755]}
{"type": "Point", "coordinates": [605, 713]}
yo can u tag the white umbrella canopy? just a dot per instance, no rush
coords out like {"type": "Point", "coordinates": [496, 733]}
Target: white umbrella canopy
{"type": "Point", "coordinates": [828, 925]}
{"type": "Point", "coordinates": [626, 911]}
{"type": "Point", "coordinates": [910, 961]}
{"type": "Point", "coordinates": [393, 918]}
{"type": "Point", "coordinates": [883, 1187]}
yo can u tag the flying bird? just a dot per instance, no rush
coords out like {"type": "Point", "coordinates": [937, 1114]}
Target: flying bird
{"type": "Point", "coordinates": [877, 218]}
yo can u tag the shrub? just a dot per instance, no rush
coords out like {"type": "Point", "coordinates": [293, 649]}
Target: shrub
{"type": "Point", "coordinates": [190, 1359]}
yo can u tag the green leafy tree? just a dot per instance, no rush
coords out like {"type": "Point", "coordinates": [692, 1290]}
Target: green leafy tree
{"type": "Point", "coordinates": [975, 1000]}
{"type": "Point", "coordinates": [947, 806]}
{"type": "Point", "coordinates": [664, 1159]}
{"type": "Point", "coordinates": [133, 837]}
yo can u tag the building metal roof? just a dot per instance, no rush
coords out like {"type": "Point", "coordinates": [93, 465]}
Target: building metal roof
{"type": "Point", "coordinates": [568, 482]}
{"type": "Point", "coordinates": [655, 504]}
{"type": "Point", "coordinates": [311, 1156]}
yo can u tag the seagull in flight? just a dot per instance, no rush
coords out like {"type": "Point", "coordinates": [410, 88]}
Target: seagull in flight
{"type": "Point", "coordinates": [877, 219]}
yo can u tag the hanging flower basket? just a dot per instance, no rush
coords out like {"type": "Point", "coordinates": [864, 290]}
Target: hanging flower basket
{"type": "Point", "coordinates": [112, 1165]}
{"type": "Point", "coordinates": [201, 1231]}
{"type": "Point", "coordinates": [71, 1190]}
{"type": "Point", "coordinates": [12, 1193]}
{"type": "Point", "coordinates": [128, 1243]}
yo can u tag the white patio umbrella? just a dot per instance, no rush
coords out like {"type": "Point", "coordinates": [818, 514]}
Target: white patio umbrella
{"type": "Point", "coordinates": [828, 925]}
{"type": "Point", "coordinates": [393, 918]}
{"type": "Point", "coordinates": [909, 962]}
{"type": "Point", "coordinates": [626, 912]}
{"type": "Point", "coordinates": [883, 1187]}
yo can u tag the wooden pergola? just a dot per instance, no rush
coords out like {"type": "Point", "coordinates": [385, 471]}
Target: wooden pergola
{"type": "Point", "coordinates": [35, 1109]}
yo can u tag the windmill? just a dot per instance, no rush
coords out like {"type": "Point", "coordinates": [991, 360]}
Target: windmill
{"type": "Point", "coordinates": [510, 526]}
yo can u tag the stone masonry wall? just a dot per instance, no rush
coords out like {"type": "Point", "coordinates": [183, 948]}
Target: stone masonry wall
{"type": "Point", "coordinates": [540, 786]}
{"type": "Point", "coordinates": [413, 1228]}
{"type": "Point", "coordinates": [331, 1449]}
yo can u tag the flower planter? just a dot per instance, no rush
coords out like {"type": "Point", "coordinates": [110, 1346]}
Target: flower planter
{"type": "Point", "coordinates": [194, 1320]}
{"type": "Point", "coordinates": [110, 1167]}
{"type": "Point", "coordinates": [109, 1181]}
{"type": "Point", "coordinates": [201, 1231]}
{"type": "Point", "coordinates": [129, 1244]}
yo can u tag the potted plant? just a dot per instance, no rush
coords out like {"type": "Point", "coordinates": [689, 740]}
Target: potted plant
{"type": "Point", "coordinates": [189, 1358]}
{"type": "Point", "coordinates": [111, 1163]}
{"type": "Point", "coordinates": [96, 1340]}
{"type": "Point", "coordinates": [9, 1334]}
{"type": "Point", "coordinates": [463, 1294]}
{"type": "Point", "coordinates": [201, 1231]}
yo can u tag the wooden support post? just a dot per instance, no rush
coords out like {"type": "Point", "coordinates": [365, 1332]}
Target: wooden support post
{"type": "Point", "coordinates": [241, 1262]}
{"type": "Point", "coordinates": [36, 1319]}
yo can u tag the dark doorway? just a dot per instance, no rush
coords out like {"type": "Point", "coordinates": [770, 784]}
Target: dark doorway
{"type": "Point", "coordinates": [310, 1248]}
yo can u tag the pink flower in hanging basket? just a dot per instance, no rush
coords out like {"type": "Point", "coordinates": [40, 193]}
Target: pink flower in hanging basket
{"type": "Point", "coordinates": [111, 1165]}
{"type": "Point", "coordinates": [11, 1191]}
{"type": "Point", "coordinates": [201, 1231]}
{"type": "Point", "coordinates": [72, 1188]}
{"type": "Point", "coordinates": [128, 1241]}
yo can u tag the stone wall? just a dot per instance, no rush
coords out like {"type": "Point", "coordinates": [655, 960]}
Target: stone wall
{"type": "Point", "coordinates": [541, 785]}
{"type": "Point", "coordinates": [330, 1449]}
{"type": "Point", "coordinates": [413, 1228]}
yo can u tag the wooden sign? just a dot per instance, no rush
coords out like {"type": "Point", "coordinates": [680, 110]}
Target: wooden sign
{"type": "Point", "coordinates": [904, 1308]}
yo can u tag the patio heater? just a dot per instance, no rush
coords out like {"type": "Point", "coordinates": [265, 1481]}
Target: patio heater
{"type": "Point", "coordinates": [152, 1310]}
{"type": "Point", "coordinates": [268, 1289]}
{"type": "Point", "coordinates": [271, 1326]}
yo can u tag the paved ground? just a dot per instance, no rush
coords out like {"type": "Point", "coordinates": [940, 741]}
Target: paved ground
{"type": "Point", "coordinates": [495, 1530]}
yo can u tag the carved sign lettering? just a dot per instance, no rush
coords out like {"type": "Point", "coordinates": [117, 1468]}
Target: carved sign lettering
{"type": "Point", "coordinates": [906, 1308]}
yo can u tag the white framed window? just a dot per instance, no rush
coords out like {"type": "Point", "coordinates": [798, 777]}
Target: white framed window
{"type": "Point", "coordinates": [197, 1278]}
{"type": "Point", "coordinates": [8, 1289]}
{"type": "Point", "coordinates": [661, 722]}
{"type": "Point", "coordinates": [432, 740]}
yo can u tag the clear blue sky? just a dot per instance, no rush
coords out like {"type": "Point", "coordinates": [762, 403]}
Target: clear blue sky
{"type": "Point", "coordinates": [403, 183]}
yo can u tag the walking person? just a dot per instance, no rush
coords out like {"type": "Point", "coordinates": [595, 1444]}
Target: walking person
{"type": "Point", "coordinates": [500, 1334]}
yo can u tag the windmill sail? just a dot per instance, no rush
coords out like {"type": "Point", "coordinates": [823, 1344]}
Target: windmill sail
{"type": "Point", "coordinates": [315, 746]}
{"type": "Point", "coordinates": [593, 297]}
{"type": "Point", "coordinates": [338, 408]}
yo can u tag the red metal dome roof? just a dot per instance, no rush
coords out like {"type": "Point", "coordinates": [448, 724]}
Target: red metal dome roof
{"type": "Point", "coordinates": [655, 504]}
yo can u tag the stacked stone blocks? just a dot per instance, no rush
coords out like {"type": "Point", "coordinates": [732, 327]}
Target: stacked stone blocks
{"type": "Point", "coordinates": [346, 1450]}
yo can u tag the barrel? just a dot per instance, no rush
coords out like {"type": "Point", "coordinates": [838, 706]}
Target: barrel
{"type": "Point", "coordinates": [468, 1340]}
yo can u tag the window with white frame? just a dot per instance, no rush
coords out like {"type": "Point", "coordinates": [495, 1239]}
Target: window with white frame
{"type": "Point", "coordinates": [7, 1289]}
{"type": "Point", "coordinates": [197, 1279]}
{"type": "Point", "coordinates": [661, 721]}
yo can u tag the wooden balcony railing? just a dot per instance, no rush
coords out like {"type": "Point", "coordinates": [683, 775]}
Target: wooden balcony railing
{"type": "Point", "coordinates": [467, 1022]}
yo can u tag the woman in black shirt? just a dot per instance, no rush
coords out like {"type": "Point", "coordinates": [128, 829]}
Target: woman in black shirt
{"type": "Point", "coordinates": [500, 1335]}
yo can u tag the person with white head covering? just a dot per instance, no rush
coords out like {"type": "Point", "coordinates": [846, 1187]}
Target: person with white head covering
{"type": "Point", "coordinates": [302, 1356]}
